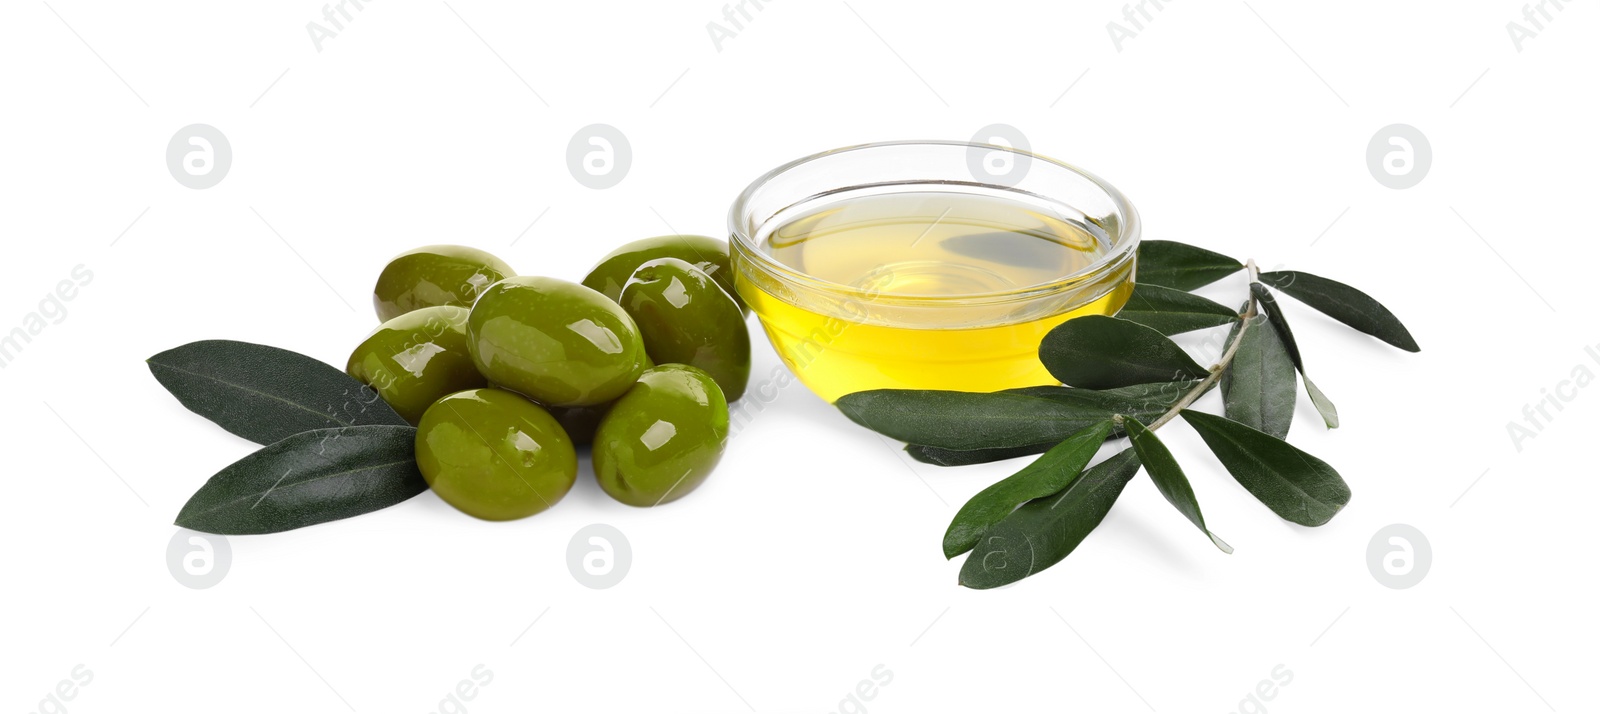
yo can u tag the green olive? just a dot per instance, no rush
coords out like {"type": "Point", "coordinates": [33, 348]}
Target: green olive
{"type": "Point", "coordinates": [416, 358]}
{"type": "Point", "coordinates": [435, 275]}
{"type": "Point", "coordinates": [662, 438]}
{"type": "Point", "coordinates": [685, 318]}
{"type": "Point", "coordinates": [705, 253]}
{"type": "Point", "coordinates": [559, 343]}
{"type": "Point", "coordinates": [494, 455]}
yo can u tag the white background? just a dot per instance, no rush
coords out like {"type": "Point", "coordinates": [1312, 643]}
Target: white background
{"type": "Point", "coordinates": [812, 555]}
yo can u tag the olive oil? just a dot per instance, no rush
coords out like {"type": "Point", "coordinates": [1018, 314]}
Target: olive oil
{"type": "Point", "coordinates": [929, 290]}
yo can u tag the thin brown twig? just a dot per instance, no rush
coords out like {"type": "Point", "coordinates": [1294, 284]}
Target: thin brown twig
{"type": "Point", "coordinates": [1222, 362]}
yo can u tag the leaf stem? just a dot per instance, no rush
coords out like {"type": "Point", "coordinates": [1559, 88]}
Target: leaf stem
{"type": "Point", "coordinates": [1222, 362]}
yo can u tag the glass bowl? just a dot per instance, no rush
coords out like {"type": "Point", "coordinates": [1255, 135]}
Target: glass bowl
{"type": "Point", "coordinates": [927, 264]}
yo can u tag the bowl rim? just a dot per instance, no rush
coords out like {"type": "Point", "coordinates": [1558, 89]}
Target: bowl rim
{"type": "Point", "coordinates": [1123, 249]}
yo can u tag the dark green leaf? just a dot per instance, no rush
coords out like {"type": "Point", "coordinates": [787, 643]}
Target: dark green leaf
{"type": "Point", "coordinates": [1270, 308]}
{"type": "Point", "coordinates": [1345, 304]}
{"type": "Point", "coordinates": [966, 420]}
{"type": "Point", "coordinates": [1297, 486]}
{"type": "Point", "coordinates": [1170, 311]}
{"type": "Point", "coordinates": [1181, 266]}
{"type": "Point", "coordinates": [1046, 475]}
{"type": "Point", "coordinates": [1258, 386]}
{"type": "Point", "coordinates": [1099, 352]}
{"type": "Point", "coordinates": [1168, 477]}
{"type": "Point", "coordinates": [309, 478]}
{"type": "Point", "coordinates": [266, 394]}
{"type": "Point", "coordinates": [966, 457]}
{"type": "Point", "coordinates": [1045, 530]}
{"type": "Point", "coordinates": [1134, 398]}
{"type": "Point", "coordinates": [1144, 401]}
{"type": "Point", "coordinates": [1274, 312]}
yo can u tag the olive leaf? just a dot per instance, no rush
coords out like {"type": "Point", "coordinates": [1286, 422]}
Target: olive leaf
{"type": "Point", "coordinates": [266, 394]}
{"type": "Point", "coordinates": [1045, 530]}
{"type": "Point", "coordinates": [1274, 313]}
{"type": "Point", "coordinates": [1099, 352]}
{"type": "Point", "coordinates": [1330, 413]}
{"type": "Point", "coordinates": [309, 478]}
{"type": "Point", "coordinates": [1144, 401]}
{"type": "Point", "coordinates": [1181, 266]}
{"type": "Point", "coordinates": [1168, 477]}
{"type": "Point", "coordinates": [1345, 304]}
{"type": "Point", "coordinates": [1297, 486]}
{"type": "Point", "coordinates": [1170, 311]}
{"type": "Point", "coordinates": [965, 420]}
{"type": "Point", "coordinates": [1126, 367]}
{"type": "Point", "coordinates": [1046, 475]}
{"type": "Point", "coordinates": [1269, 307]}
{"type": "Point", "coordinates": [940, 456]}
{"type": "Point", "coordinates": [1258, 387]}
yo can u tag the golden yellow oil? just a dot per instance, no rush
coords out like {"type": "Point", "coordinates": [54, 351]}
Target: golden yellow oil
{"type": "Point", "coordinates": [925, 268]}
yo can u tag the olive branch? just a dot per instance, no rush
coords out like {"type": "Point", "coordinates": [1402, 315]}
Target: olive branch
{"type": "Point", "coordinates": [1122, 377]}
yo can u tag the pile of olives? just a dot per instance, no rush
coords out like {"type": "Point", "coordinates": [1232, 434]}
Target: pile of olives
{"type": "Point", "coordinates": [506, 376]}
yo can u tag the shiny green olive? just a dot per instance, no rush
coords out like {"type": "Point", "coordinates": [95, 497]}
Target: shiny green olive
{"type": "Point", "coordinates": [662, 438]}
{"type": "Point", "coordinates": [416, 358]}
{"type": "Point", "coordinates": [559, 343]}
{"type": "Point", "coordinates": [685, 318]}
{"type": "Point", "coordinates": [435, 275]}
{"type": "Point", "coordinates": [705, 253]}
{"type": "Point", "coordinates": [494, 455]}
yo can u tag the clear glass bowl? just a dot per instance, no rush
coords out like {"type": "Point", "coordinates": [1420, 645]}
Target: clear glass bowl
{"type": "Point", "coordinates": [886, 330]}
